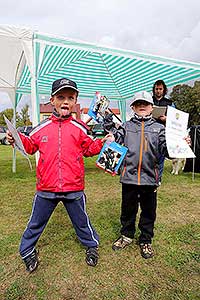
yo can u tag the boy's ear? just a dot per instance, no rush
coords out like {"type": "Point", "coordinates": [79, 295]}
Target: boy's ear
{"type": "Point", "coordinates": [52, 101]}
{"type": "Point", "coordinates": [76, 98]}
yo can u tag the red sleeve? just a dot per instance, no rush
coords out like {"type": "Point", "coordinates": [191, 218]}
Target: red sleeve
{"type": "Point", "coordinates": [29, 145]}
{"type": "Point", "coordinates": [83, 124]}
{"type": "Point", "coordinates": [91, 147]}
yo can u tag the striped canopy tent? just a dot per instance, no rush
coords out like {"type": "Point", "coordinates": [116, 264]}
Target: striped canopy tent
{"type": "Point", "coordinates": [31, 61]}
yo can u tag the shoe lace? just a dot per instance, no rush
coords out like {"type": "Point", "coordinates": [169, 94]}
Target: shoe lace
{"type": "Point", "coordinates": [31, 259]}
{"type": "Point", "coordinates": [92, 254]}
{"type": "Point", "coordinates": [147, 248]}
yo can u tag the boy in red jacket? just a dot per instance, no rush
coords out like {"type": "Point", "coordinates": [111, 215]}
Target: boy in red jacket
{"type": "Point", "coordinates": [62, 142]}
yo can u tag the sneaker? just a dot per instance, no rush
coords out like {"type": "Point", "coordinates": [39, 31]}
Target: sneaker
{"type": "Point", "coordinates": [92, 256]}
{"type": "Point", "coordinates": [31, 261]}
{"type": "Point", "coordinates": [146, 250]}
{"type": "Point", "coordinates": [121, 242]}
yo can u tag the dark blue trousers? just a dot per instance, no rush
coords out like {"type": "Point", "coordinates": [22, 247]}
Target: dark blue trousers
{"type": "Point", "coordinates": [42, 210]}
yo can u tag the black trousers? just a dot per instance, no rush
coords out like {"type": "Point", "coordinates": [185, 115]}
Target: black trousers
{"type": "Point", "coordinates": [132, 197]}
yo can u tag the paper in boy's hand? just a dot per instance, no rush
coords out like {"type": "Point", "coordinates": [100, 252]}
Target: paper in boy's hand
{"type": "Point", "coordinates": [176, 131]}
{"type": "Point", "coordinates": [98, 107]}
{"type": "Point", "coordinates": [111, 157]}
{"type": "Point", "coordinates": [158, 111]}
{"type": "Point", "coordinates": [18, 145]}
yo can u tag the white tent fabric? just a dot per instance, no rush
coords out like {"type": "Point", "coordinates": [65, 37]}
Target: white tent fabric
{"type": "Point", "coordinates": [30, 61]}
{"type": "Point", "coordinates": [16, 50]}
{"type": "Point", "coordinates": [15, 44]}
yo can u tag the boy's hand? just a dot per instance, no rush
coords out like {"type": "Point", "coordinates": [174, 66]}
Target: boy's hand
{"type": "Point", "coordinates": [188, 140]}
{"type": "Point", "coordinates": [109, 137]}
{"type": "Point", "coordinates": [163, 118]}
{"type": "Point", "coordinates": [9, 137]}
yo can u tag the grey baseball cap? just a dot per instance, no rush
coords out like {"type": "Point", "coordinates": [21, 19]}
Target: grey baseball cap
{"type": "Point", "coordinates": [142, 96]}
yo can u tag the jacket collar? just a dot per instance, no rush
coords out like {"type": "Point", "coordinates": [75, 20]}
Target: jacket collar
{"type": "Point", "coordinates": [56, 116]}
{"type": "Point", "coordinates": [139, 118]}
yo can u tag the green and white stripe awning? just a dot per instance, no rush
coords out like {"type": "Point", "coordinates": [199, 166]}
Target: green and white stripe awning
{"type": "Point", "coordinates": [30, 61]}
{"type": "Point", "coordinates": [116, 73]}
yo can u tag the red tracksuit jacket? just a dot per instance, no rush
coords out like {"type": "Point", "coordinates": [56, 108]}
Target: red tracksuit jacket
{"type": "Point", "coordinates": [62, 143]}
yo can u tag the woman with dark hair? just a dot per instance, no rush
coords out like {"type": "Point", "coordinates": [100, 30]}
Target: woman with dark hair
{"type": "Point", "coordinates": [159, 99]}
{"type": "Point", "coordinates": [159, 83]}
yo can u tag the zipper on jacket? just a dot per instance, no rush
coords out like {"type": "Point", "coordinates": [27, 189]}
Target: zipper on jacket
{"type": "Point", "coordinates": [145, 144]}
{"type": "Point", "coordinates": [124, 170]}
{"type": "Point", "coordinates": [141, 150]}
{"type": "Point", "coordinates": [59, 157]}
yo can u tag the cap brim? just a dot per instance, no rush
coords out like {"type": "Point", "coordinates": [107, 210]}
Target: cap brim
{"type": "Point", "coordinates": [140, 99]}
{"type": "Point", "coordinates": [63, 87]}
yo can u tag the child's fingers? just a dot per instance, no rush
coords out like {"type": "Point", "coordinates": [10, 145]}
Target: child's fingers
{"type": "Point", "coordinates": [188, 140]}
{"type": "Point", "coordinates": [9, 137]}
{"type": "Point", "coordinates": [109, 137]}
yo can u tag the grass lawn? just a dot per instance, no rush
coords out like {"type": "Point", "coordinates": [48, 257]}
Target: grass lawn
{"type": "Point", "coordinates": [173, 273]}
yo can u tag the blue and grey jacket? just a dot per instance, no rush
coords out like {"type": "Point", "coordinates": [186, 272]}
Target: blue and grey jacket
{"type": "Point", "coordinates": [145, 140]}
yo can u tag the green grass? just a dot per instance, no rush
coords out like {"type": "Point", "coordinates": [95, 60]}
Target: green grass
{"type": "Point", "coordinates": [173, 274]}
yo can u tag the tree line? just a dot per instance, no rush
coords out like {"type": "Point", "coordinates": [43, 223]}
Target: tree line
{"type": "Point", "coordinates": [187, 98]}
{"type": "Point", "coordinates": [22, 118]}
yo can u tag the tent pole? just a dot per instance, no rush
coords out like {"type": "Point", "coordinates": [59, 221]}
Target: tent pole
{"type": "Point", "coordinates": [194, 149]}
{"type": "Point", "coordinates": [14, 150]}
{"type": "Point", "coordinates": [35, 107]}
{"type": "Point", "coordinates": [34, 86]}
{"type": "Point", "coordinates": [34, 90]}
{"type": "Point", "coordinates": [122, 108]}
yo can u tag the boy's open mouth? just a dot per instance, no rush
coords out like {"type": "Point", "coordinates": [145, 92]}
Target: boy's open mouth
{"type": "Point", "coordinates": [64, 111]}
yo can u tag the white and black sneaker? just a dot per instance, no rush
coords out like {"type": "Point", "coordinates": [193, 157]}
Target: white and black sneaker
{"type": "Point", "coordinates": [146, 250]}
{"type": "Point", "coordinates": [31, 261]}
{"type": "Point", "coordinates": [122, 242]}
{"type": "Point", "coordinates": [92, 256]}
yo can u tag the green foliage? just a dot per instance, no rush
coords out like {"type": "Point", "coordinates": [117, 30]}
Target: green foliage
{"type": "Point", "coordinates": [8, 113]}
{"type": "Point", "coordinates": [187, 98]}
{"type": "Point", "coordinates": [22, 118]}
